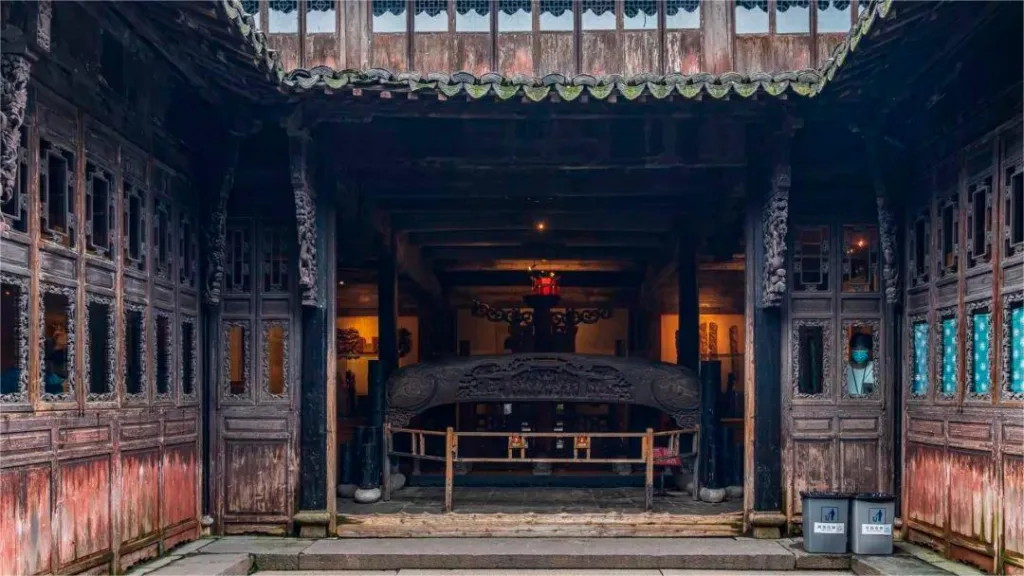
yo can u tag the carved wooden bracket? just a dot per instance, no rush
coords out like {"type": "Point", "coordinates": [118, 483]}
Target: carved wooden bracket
{"type": "Point", "coordinates": [774, 226]}
{"type": "Point", "coordinates": [890, 262]}
{"type": "Point", "coordinates": [216, 227]}
{"type": "Point", "coordinates": [305, 214]}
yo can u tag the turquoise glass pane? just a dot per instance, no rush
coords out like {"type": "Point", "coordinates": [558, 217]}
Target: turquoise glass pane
{"type": "Point", "coordinates": [1017, 350]}
{"type": "Point", "coordinates": [920, 386]}
{"type": "Point", "coordinates": [982, 370]}
{"type": "Point", "coordinates": [949, 357]}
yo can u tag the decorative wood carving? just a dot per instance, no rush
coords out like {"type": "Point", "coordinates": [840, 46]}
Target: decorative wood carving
{"type": "Point", "coordinates": [939, 359]}
{"type": "Point", "coordinates": [225, 354]}
{"type": "Point", "coordinates": [826, 353]}
{"type": "Point", "coordinates": [216, 228]}
{"type": "Point", "coordinates": [985, 351]}
{"type": "Point", "coordinates": [702, 338]}
{"type": "Point", "coordinates": [876, 332]}
{"type": "Point", "coordinates": [22, 284]}
{"type": "Point", "coordinates": [774, 225]}
{"type": "Point", "coordinates": [193, 371]}
{"type": "Point", "coordinates": [269, 325]}
{"type": "Point", "coordinates": [890, 258]}
{"type": "Point", "coordinates": [70, 293]}
{"type": "Point", "coordinates": [539, 377]}
{"type": "Point", "coordinates": [15, 71]}
{"type": "Point", "coordinates": [140, 396]}
{"type": "Point", "coordinates": [305, 215]}
{"type": "Point", "coordinates": [1007, 368]}
{"type": "Point", "coordinates": [712, 339]}
{"type": "Point", "coordinates": [910, 360]}
{"type": "Point", "coordinates": [168, 317]}
{"type": "Point", "coordinates": [111, 349]}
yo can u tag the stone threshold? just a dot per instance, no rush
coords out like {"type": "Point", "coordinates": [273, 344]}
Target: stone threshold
{"type": "Point", "coordinates": [240, 555]}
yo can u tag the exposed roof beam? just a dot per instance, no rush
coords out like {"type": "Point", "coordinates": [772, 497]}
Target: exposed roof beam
{"type": "Point", "coordinates": [627, 279]}
{"type": "Point", "coordinates": [540, 252]}
{"type": "Point", "coordinates": [522, 220]}
{"type": "Point", "coordinates": [481, 238]}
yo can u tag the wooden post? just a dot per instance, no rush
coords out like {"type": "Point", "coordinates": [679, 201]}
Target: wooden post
{"type": "Point", "coordinates": [696, 465]}
{"type": "Point", "coordinates": [449, 468]}
{"type": "Point", "coordinates": [687, 339]}
{"type": "Point", "coordinates": [386, 456]}
{"type": "Point", "coordinates": [649, 473]}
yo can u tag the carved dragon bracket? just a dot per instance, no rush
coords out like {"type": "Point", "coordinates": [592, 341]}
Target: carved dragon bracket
{"type": "Point", "coordinates": [305, 214]}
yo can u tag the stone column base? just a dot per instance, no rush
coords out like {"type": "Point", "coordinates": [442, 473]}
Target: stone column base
{"type": "Point", "coordinates": [767, 525]}
{"type": "Point", "coordinates": [312, 523]}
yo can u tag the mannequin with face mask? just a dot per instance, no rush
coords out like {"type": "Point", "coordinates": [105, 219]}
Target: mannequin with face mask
{"type": "Point", "coordinates": [860, 368]}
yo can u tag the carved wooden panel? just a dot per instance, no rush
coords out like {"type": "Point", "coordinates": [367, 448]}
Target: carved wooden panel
{"type": "Point", "coordinates": [14, 291]}
{"type": "Point", "coordinates": [181, 492]}
{"type": "Point", "coordinates": [1012, 505]}
{"type": "Point", "coordinates": [57, 342]}
{"type": "Point", "coordinates": [919, 249]}
{"type": "Point", "coordinates": [973, 500]}
{"type": "Point", "coordinates": [1012, 347]}
{"type": "Point", "coordinates": [859, 466]}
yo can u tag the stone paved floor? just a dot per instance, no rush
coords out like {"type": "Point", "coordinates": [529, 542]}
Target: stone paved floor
{"type": "Point", "coordinates": [468, 500]}
{"type": "Point", "coordinates": [549, 573]}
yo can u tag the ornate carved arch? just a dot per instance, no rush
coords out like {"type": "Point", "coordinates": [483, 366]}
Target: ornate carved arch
{"type": "Point", "coordinates": [544, 377]}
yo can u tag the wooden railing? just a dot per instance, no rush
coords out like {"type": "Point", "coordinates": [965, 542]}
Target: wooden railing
{"type": "Point", "coordinates": [518, 442]}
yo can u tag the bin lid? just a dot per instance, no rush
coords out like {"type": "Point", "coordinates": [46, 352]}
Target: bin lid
{"type": "Point", "coordinates": [825, 495]}
{"type": "Point", "coordinates": [875, 497]}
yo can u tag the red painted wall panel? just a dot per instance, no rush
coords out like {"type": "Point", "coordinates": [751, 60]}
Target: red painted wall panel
{"type": "Point", "coordinates": [84, 509]}
{"type": "Point", "coordinates": [927, 485]}
{"type": "Point", "coordinates": [139, 494]}
{"type": "Point", "coordinates": [179, 498]}
{"type": "Point", "coordinates": [25, 543]}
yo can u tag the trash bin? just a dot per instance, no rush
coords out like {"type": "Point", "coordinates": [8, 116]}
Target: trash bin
{"type": "Point", "coordinates": [825, 515]}
{"type": "Point", "coordinates": [871, 523]}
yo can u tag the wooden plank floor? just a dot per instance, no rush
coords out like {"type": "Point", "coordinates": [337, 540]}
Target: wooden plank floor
{"type": "Point", "coordinates": [538, 512]}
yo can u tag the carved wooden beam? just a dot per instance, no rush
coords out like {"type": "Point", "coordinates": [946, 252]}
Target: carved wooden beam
{"type": "Point", "coordinates": [216, 227]}
{"type": "Point", "coordinates": [305, 213]}
{"type": "Point", "coordinates": [775, 221]}
{"type": "Point", "coordinates": [20, 48]}
{"type": "Point", "coordinates": [886, 225]}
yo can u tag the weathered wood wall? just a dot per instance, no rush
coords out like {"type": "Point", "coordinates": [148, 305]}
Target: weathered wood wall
{"type": "Point", "coordinates": [100, 431]}
{"type": "Point", "coordinates": [964, 431]}
{"type": "Point", "coordinates": [535, 37]}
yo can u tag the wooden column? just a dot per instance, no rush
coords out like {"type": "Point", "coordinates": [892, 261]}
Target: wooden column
{"type": "Point", "coordinates": [688, 337]}
{"type": "Point", "coordinates": [387, 334]}
{"type": "Point", "coordinates": [314, 218]}
{"type": "Point", "coordinates": [770, 220]}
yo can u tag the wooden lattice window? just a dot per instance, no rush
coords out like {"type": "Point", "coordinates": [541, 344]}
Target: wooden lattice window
{"type": "Point", "coordinates": [283, 16]}
{"type": "Point", "coordinates": [238, 253]}
{"type": "Point", "coordinates": [57, 344]}
{"type": "Point", "coordinates": [1013, 211]}
{"type": "Point", "coordinates": [163, 352]}
{"type": "Point", "coordinates": [640, 15]}
{"type": "Point", "coordinates": [860, 259]}
{"type": "Point", "coordinates": [100, 348]}
{"type": "Point", "coordinates": [275, 358]}
{"type": "Point", "coordinates": [920, 239]}
{"type": "Point", "coordinates": [811, 357]}
{"type": "Point", "coordinates": [949, 238]}
{"type": "Point", "coordinates": [948, 360]}
{"type": "Point", "coordinates": [15, 209]}
{"type": "Point", "coordinates": [57, 193]}
{"type": "Point", "coordinates": [811, 259]}
{"type": "Point", "coordinates": [187, 250]}
{"type": "Point", "coordinates": [682, 14]}
{"type": "Point", "coordinates": [134, 365]}
{"type": "Point", "coordinates": [515, 16]}
{"type": "Point", "coordinates": [472, 16]}
{"type": "Point", "coordinates": [235, 354]}
{"type": "Point", "coordinates": [14, 312]}
{"type": "Point", "coordinates": [919, 346]}
{"type": "Point", "coordinates": [99, 210]}
{"type": "Point", "coordinates": [556, 15]}
{"type": "Point", "coordinates": [430, 16]}
{"type": "Point", "coordinates": [978, 356]}
{"type": "Point", "coordinates": [861, 355]}
{"type": "Point", "coordinates": [321, 17]}
{"type": "Point", "coordinates": [833, 16]}
{"type": "Point", "coordinates": [135, 226]}
{"type": "Point", "coordinates": [187, 367]}
{"type": "Point", "coordinates": [1013, 347]}
{"type": "Point", "coordinates": [598, 14]}
{"type": "Point", "coordinates": [275, 243]}
{"type": "Point", "coordinates": [979, 222]}
{"type": "Point", "coordinates": [793, 16]}
{"type": "Point", "coordinates": [252, 8]}
{"type": "Point", "coordinates": [388, 16]}
{"type": "Point", "coordinates": [751, 16]}
{"type": "Point", "coordinates": [163, 239]}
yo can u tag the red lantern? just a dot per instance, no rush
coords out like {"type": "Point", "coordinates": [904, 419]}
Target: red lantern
{"type": "Point", "coordinates": [545, 283]}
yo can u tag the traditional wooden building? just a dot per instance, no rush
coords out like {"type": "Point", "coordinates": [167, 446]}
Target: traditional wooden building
{"type": "Point", "coordinates": [255, 252]}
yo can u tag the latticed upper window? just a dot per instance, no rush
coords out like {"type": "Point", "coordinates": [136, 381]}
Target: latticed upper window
{"type": "Point", "coordinates": [1013, 210]}
{"type": "Point", "coordinates": [472, 16]}
{"type": "Point", "coordinates": [99, 209]}
{"type": "Point", "coordinates": [640, 15]}
{"type": "Point", "coordinates": [599, 7]}
{"type": "Point", "coordinates": [949, 237]}
{"type": "Point", "coordinates": [319, 5]}
{"type": "Point", "coordinates": [135, 226]}
{"type": "Point", "coordinates": [283, 6]}
{"type": "Point", "coordinates": [920, 249]}
{"type": "Point", "coordinates": [238, 251]}
{"type": "Point", "coordinates": [382, 7]}
{"type": "Point", "coordinates": [251, 7]}
{"type": "Point", "coordinates": [275, 244]}
{"type": "Point", "coordinates": [751, 16]}
{"type": "Point", "coordinates": [793, 16]}
{"type": "Point", "coordinates": [430, 16]}
{"type": "Point", "coordinates": [555, 7]}
{"type": "Point", "coordinates": [860, 259]}
{"type": "Point", "coordinates": [673, 7]}
{"type": "Point", "coordinates": [513, 6]}
{"type": "Point", "coordinates": [811, 259]}
{"type": "Point", "coordinates": [598, 14]}
{"type": "Point", "coordinates": [57, 193]}
{"type": "Point", "coordinates": [833, 15]}
{"type": "Point", "coordinates": [556, 15]}
{"type": "Point", "coordinates": [481, 7]}
{"type": "Point", "coordinates": [979, 222]}
{"type": "Point", "coordinates": [431, 7]}
{"type": "Point", "coordinates": [283, 16]}
{"type": "Point", "coordinates": [320, 17]}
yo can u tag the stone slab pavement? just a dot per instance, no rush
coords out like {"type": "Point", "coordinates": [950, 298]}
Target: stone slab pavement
{"type": "Point", "coordinates": [507, 556]}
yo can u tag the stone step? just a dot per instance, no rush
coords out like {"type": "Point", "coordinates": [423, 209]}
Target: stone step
{"type": "Point", "coordinates": [896, 565]}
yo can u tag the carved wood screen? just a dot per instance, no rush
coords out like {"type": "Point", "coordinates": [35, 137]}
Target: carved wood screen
{"type": "Point", "coordinates": [963, 431]}
{"type": "Point", "coordinates": [836, 394]}
{"type": "Point", "coordinates": [122, 482]}
{"type": "Point", "coordinates": [256, 420]}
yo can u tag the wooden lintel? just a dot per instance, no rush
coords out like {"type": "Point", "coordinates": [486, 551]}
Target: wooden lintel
{"type": "Point", "coordinates": [412, 264]}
